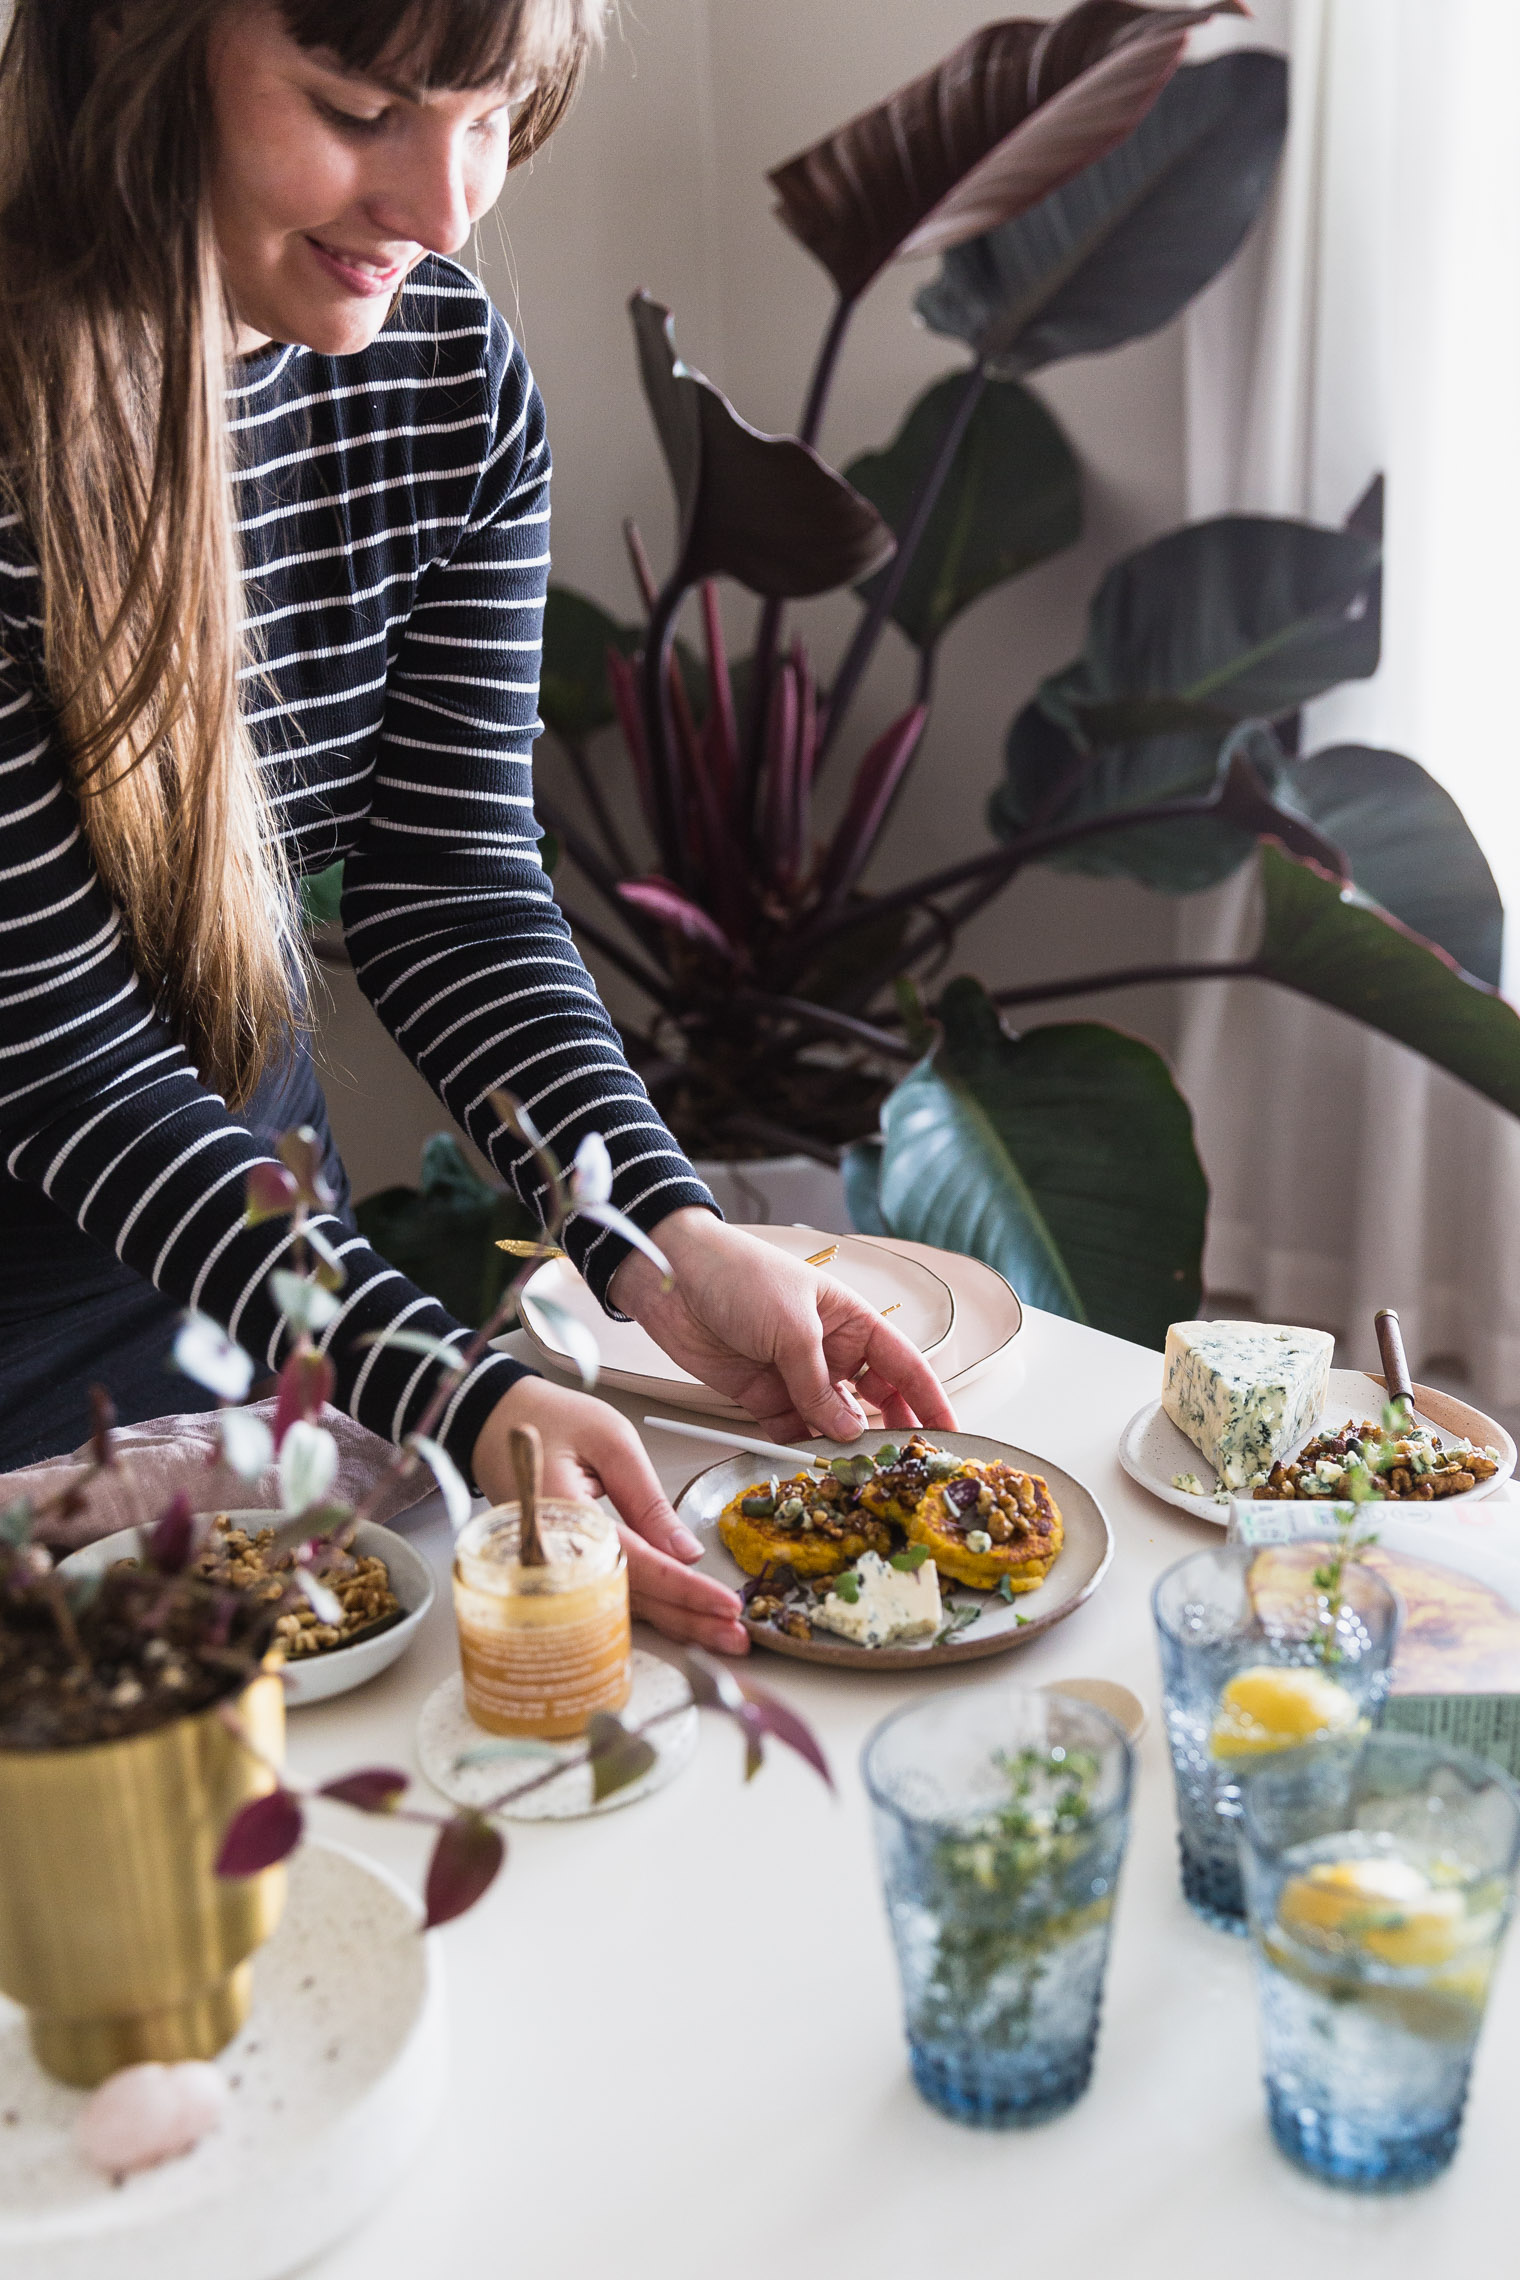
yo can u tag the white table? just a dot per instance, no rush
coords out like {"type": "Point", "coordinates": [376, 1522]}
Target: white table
{"type": "Point", "coordinates": [676, 2040]}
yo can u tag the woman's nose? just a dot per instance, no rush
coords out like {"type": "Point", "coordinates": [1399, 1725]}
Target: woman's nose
{"type": "Point", "coordinates": [423, 193]}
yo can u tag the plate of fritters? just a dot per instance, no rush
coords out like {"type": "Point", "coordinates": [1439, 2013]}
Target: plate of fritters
{"type": "Point", "coordinates": [1017, 1542]}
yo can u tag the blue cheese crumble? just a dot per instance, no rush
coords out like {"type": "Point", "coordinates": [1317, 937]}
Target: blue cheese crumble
{"type": "Point", "coordinates": [1245, 1393]}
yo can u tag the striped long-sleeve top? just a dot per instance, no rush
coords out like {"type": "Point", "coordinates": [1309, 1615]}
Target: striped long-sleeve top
{"type": "Point", "coordinates": [394, 515]}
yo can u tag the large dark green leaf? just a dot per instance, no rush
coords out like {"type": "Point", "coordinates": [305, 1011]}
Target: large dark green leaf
{"type": "Point", "coordinates": [1334, 945]}
{"type": "Point", "coordinates": [861, 1167]}
{"type": "Point", "coordinates": [1013, 498]}
{"type": "Point", "coordinates": [1127, 243]}
{"type": "Point", "coordinates": [1245, 617]}
{"type": "Point", "coordinates": [760, 508]}
{"type": "Point", "coordinates": [575, 696]}
{"type": "Point", "coordinates": [1049, 780]}
{"type": "Point", "coordinates": [444, 1235]}
{"type": "Point", "coordinates": [1015, 109]}
{"type": "Point", "coordinates": [1409, 847]}
{"type": "Point", "coordinates": [1064, 1158]}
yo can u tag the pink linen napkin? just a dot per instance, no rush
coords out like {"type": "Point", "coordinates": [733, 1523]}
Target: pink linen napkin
{"type": "Point", "coordinates": [167, 1454]}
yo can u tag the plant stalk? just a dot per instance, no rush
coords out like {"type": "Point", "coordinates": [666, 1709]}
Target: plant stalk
{"type": "Point", "coordinates": [868, 633]}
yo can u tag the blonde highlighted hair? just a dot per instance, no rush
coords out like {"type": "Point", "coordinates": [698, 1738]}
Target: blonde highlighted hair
{"type": "Point", "coordinates": [115, 343]}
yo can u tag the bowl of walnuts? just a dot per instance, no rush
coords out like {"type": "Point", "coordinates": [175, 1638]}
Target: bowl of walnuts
{"type": "Point", "coordinates": [384, 1596]}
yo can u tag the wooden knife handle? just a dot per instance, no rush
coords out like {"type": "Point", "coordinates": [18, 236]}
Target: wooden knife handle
{"type": "Point", "coordinates": [528, 1464]}
{"type": "Point", "coordinates": [1391, 1346]}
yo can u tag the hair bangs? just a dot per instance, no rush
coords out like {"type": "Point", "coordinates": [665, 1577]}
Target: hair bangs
{"type": "Point", "coordinates": [453, 44]}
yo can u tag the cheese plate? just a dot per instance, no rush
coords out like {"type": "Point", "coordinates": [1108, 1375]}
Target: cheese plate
{"type": "Point", "coordinates": [1154, 1452]}
{"type": "Point", "coordinates": [997, 1624]}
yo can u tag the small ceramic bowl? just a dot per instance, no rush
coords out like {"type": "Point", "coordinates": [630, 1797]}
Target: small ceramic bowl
{"type": "Point", "coordinates": [314, 1677]}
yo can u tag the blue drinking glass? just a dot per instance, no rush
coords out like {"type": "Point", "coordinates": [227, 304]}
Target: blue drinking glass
{"type": "Point", "coordinates": [1261, 1651]}
{"type": "Point", "coordinates": [1001, 1815]}
{"type": "Point", "coordinates": [1380, 1877]}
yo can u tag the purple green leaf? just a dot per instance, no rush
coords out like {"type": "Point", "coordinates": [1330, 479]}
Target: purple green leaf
{"type": "Point", "coordinates": [465, 1863]}
{"type": "Point", "coordinates": [271, 1193]}
{"type": "Point", "coordinates": [666, 904]}
{"type": "Point", "coordinates": [301, 1154]}
{"type": "Point", "coordinates": [375, 1789]}
{"type": "Point", "coordinates": [171, 1540]}
{"type": "Point", "coordinates": [871, 796]}
{"type": "Point", "coordinates": [306, 1384]}
{"type": "Point", "coordinates": [262, 1832]}
{"type": "Point", "coordinates": [617, 1757]}
{"type": "Point", "coordinates": [203, 1351]}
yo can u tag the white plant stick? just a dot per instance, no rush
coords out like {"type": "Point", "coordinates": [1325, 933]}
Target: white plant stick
{"type": "Point", "coordinates": [795, 1459]}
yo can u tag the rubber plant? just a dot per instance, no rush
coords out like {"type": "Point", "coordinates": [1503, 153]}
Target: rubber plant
{"type": "Point", "coordinates": [1079, 184]}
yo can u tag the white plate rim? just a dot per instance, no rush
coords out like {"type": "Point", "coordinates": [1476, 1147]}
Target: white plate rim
{"type": "Point", "coordinates": [972, 1645]}
{"type": "Point", "coordinates": [1205, 1508]}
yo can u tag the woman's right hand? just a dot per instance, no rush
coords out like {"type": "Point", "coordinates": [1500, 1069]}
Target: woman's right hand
{"type": "Point", "coordinates": [591, 1450]}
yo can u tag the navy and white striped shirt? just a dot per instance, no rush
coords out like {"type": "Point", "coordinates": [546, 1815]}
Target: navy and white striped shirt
{"type": "Point", "coordinates": [394, 513]}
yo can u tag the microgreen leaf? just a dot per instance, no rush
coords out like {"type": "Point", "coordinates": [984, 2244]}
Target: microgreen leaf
{"type": "Point", "coordinates": [854, 1471]}
{"type": "Point", "coordinates": [308, 1466]}
{"type": "Point", "coordinates": [203, 1351]}
{"type": "Point", "coordinates": [847, 1588]}
{"type": "Point", "coordinates": [376, 1789]}
{"type": "Point", "coordinates": [617, 1757]}
{"type": "Point", "coordinates": [913, 1558]}
{"type": "Point", "coordinates": [247, 1443]}
{"type": "Point", "coordinates": [465, 1861]}
{"type": "Point", "coordinates": [301, 1154]}
{"type": "Point", "coordinates": [606, 1215]}
{"type": "Point", "coordinates": [306, 1383]}
{"type": "Point", "coordinates": [270, 1193]}
{"type": "Point", "coordinates": [324, 1604]}
{"type": "Point", "coordinates": [171, 1539]}
{"type": "Point", "coordinates": [591, 1178]}
{"type": "Point", "coordinates": [102, 1424]}
{"type": "Point", "coordinates": [302, 1300]}
{"type": "Point", "coordinates": [1005, 1588]}
{"type": "Point", "coordinates": [571, 1335]}
{"type": "Point", "coordinates": [451, 1483]}
{"type": "Point", "coordinates": [264, 1831]}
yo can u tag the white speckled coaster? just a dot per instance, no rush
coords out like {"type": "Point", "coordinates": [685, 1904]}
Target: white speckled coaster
{"type": "Point", "coordinates": [335, 2081]}
{"type": "Point", "coordinates": [448, 1738]}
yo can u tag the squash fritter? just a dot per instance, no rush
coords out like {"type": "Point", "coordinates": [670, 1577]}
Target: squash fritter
{"type": "Point", "coordinates": [822, 1536]}
{"type": "Point", "coordinates": [989, 1523]}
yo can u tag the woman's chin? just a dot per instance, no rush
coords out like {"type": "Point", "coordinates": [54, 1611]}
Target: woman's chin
{"type": "Point", "coordinates": [340, 326]}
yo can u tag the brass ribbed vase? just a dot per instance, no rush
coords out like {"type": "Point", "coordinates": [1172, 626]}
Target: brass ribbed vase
{"type": "Point", "coordinates": [115, 1936]}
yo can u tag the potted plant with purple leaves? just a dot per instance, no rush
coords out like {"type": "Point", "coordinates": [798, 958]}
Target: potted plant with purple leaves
{"type": "Point", "coordinates": [145, 1813]}
{"type": "Point", "coordinates": [1078, 189]}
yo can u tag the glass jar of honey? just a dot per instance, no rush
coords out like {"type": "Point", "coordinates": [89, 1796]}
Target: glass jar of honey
{"type": "Point", "coordinates": [542, 1648]}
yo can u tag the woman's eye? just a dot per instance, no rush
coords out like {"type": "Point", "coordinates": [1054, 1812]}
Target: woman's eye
{"type": "Point", "coordinates": [353, 122]}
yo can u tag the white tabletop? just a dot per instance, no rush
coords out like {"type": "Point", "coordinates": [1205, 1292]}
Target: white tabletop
{"type": "Point", "coordinates": [677, 2047]}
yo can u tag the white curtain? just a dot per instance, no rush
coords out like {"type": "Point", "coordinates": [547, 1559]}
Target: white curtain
{"type": "Point", "coordinates": [1373, 324]}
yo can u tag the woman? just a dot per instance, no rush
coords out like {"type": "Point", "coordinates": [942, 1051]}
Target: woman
{"type": "Point", "coordinates": [271, 579]}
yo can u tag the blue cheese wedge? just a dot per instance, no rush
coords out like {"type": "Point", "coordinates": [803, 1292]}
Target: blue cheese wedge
{"type": "Point", "coordinates": [1245, 1393]}
{"type": "Point", "coordinates": [895, 1604]}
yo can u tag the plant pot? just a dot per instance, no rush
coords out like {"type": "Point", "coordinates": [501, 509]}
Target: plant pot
{"type": "Point", "coordinates": [777, 1191]}
{"type": "Point", "coordinates": [115, 1935]}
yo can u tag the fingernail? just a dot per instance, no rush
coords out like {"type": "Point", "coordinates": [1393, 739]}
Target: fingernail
{"type": "Point", "coordinates": [686, 1543]}
{"type": "Point", "coordinates": [850, 1419]}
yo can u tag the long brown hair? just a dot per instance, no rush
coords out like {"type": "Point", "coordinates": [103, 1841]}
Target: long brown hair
{"type": "Point", "coordinates": [115, 341]}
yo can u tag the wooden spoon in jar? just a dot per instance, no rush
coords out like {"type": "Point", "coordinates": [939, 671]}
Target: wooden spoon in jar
{"type": "Point", "coordinates": [1391, 1347]}
{"type": "Point", "coordinates": [528, 1464]}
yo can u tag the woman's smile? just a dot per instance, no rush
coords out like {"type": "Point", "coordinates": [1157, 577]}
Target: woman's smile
{"type": "Point", "coordinates": [361, 273]}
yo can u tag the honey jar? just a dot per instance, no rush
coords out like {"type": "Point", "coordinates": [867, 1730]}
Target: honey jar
{"type": "Point", "coordinates": [542, 1646]}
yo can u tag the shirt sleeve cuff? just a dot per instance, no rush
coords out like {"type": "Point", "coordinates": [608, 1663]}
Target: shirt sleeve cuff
{"type": "Point", "coordinates": [598, 1252]}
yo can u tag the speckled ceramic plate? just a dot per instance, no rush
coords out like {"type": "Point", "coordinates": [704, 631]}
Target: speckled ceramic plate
{"type": "Point", "coordinates": [1153, 1451]}
{"type": "Point", "coordinates": [1001, 1625]}
{"type": "Point", "coordinates": [334, 2081]}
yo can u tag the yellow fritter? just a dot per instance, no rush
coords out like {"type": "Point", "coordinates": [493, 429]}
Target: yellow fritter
{"type": "Point", "coordinates": [1011, 1528]}
{"type": "Point", "coordinates": [821, 1537]}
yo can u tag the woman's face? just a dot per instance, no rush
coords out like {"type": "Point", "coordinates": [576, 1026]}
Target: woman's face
{"type": "Point", "coordinates": [328, 187]}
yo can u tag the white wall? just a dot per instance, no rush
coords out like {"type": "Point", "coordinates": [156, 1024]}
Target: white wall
{"type": "Point", "coordinates": [658, 180]}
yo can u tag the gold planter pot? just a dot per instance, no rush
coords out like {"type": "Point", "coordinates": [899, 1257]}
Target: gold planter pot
{"type": "Point", "coordinates": [115, 1936]}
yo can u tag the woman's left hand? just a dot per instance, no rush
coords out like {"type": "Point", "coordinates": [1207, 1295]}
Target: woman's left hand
{"type": "Point", "coordinates": [782, 1339]}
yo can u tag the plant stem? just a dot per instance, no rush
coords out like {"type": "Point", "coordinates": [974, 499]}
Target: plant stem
{"type": "Point", "coordinates": [1132, 977]}
{"type": "Point", "coordinates": [659, 730]}
{"type": "Point", "coordinates": [569, 1765]}
{"type": "Point", "coordinates": [591, 792]}
{"type": "Point", "coordinates": [827, 1021]}
{"type": "Point", "coordinates": [868, 633]}
{"type": "Point", "coordinates": [768, 634]}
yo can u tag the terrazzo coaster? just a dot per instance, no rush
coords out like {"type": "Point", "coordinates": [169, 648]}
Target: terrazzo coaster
{"type": "Point", "coordinates": [446, 1733]}
{"type": "Point", "coordinates": [334, 2084]}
